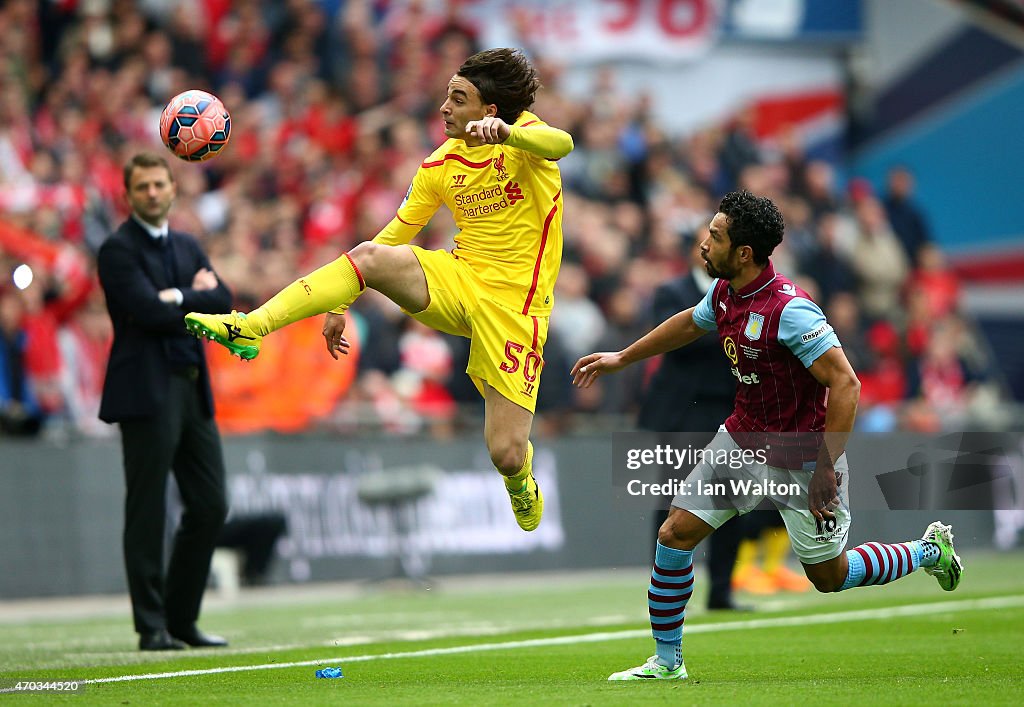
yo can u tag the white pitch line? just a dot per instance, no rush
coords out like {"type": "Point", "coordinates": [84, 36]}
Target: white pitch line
{"type": "Point", "coordinates": [782, 621]}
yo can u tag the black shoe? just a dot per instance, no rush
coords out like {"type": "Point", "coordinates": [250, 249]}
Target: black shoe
{"type": "Point", "coordinates": [159, 641]}
{"type": "Point", "coordinates": [197, 639]}
{"type": "Point", "coordinates": [727, 605]}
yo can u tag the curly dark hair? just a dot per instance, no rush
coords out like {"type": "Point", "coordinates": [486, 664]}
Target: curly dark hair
{"type": "Point", "coordinates": [754, 221]}
{"type": "Point", "coordinates": [505, 78]}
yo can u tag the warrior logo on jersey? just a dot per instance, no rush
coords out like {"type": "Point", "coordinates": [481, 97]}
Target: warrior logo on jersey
{"type": "Point", "coordinates": [499, 166]}
{"type": "Point", "coordinates": [755, 323]}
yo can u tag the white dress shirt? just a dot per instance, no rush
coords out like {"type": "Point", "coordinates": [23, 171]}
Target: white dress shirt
{"type": "Point", "coordinates": [156, 233]}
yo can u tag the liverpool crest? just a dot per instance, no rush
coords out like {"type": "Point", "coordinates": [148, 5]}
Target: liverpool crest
{"type": "Point", "coordinates": [499, 166]}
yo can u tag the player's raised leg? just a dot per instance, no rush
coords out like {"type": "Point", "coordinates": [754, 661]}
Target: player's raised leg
{"type": "Point", "coordinates": [875, 563]}
{"type": "Point", "coordinates": [667, 595]}
{"type": "Point", "coordinates": [337, 283]}
{"type": "Point", "coordinates": [393, 270]}
{"type": "Point", "coordinates": [507, 433]}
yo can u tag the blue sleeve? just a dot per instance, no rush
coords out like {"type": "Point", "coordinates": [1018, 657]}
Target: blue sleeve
{"type": "Point", "coordinates": [704, 312]}
{"type": "Point", "coordinates": [805, 332]}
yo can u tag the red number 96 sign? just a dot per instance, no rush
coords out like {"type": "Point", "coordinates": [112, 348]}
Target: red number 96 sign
{"type": "Point", "coordinates": [602, 29]}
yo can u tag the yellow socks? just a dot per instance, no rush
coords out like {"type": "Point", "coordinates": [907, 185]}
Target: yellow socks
{"type": "Point", "coordinates": [333, 286]}
{"type": "Point", "coordinates": [746, 556]}
{"type": "Point", "coordinates": [517, 482]}
{"type": "Point", "coordinates": [775, 542]}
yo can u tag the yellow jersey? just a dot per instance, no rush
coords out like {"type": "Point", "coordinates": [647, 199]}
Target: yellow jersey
{"type": "Point", "coordinates": [507, 204]}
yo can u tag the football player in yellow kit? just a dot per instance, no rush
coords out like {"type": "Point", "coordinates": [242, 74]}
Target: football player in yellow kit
{"type": "Point", "coordinates": [497, 173]}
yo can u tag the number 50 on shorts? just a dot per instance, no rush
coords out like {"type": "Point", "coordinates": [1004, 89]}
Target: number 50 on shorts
{"type": "Point", "coordinates": [529, 365]}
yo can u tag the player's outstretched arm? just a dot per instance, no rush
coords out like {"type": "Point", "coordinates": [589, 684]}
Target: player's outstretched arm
{"type": "Point", "coordinates": [588, 368]}
{"type": "Point", "coordinates": [678, 330]}
{"type": "Point", "coordinates": [833, 370]}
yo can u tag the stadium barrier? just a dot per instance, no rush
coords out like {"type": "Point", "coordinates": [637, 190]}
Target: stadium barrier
{"type": "Point", "coordinates": [61, 510]}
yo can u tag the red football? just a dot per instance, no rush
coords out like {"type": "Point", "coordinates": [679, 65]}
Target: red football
{"type": "Point", "coordinates": [195, 125]}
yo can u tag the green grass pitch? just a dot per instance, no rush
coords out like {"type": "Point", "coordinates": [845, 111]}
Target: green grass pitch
{"type": "Point", "coordinates": [547, 639]}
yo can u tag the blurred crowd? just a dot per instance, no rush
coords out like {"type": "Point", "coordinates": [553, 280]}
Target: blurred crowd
{"type": "Point", "coordinates": [334, 105]}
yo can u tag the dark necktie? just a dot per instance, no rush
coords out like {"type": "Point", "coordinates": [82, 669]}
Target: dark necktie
{"type": "Point", "coordinates": [168, 253]}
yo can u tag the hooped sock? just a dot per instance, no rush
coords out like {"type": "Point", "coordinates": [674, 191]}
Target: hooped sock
{"type": "Point", "coordinates": [880, 563]}
{"type": "Point", "coordinates": [670, 589]}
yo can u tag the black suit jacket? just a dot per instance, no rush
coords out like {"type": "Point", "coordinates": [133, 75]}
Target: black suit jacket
{"type": "Point", "coordinates": [693, 390]}
{"type": "Point", "coordinates": [132, 272]}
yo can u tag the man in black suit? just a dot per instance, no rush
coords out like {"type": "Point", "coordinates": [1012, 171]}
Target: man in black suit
{"type": "Point", "coordinates": [693, 391]}
{"type": "Point", "coordinates": [158, 389]}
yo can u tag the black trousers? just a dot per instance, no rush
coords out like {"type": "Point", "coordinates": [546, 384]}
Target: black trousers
{"type": "Point", "coordinates": [180, 438]}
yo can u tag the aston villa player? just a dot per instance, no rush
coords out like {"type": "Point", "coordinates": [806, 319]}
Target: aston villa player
{"type": "Point", "coordinates": [796, 399]}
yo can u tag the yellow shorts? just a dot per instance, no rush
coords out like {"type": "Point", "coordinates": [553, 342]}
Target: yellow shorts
{"type": "Point", "coordinates": [506, 347]}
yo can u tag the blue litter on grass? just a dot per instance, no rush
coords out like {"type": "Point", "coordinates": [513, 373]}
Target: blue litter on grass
{"type": "Point", "coordinates": [329, 673]}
